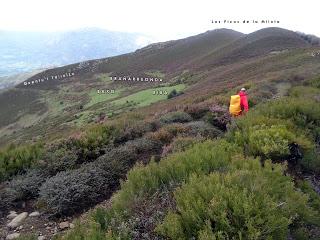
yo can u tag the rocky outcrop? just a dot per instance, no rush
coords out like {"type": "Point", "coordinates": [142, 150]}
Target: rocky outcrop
{"type": "Point", "coordinates": [17, 221]}
{"type": "Point", "coordinates": [13, 236]}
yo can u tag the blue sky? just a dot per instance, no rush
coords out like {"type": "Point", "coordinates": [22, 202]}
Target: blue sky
{"type": "Point", "coordinates": [163, 20]}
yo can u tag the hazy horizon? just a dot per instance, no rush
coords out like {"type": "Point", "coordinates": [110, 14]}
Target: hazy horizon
{"type": "Point", "coordinates": [163, 21]}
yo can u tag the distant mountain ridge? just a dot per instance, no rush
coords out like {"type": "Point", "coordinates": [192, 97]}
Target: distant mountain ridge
{"type": "Point", "coordinates": [27, 51]}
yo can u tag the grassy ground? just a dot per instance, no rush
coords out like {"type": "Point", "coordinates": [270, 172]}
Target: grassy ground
{"type": "Point", "coordinates": [146, 97]}
{"type": "Point", "coordinates": [97, 98]}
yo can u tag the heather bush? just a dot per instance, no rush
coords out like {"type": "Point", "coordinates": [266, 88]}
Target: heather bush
{"type": "Point", "coordinates": [175, 117]}
{"type": "Point", "coordinates": [27, 185]}
{"type": "Point", "coordinates": [71, 191]}
{"type": "Point", "coordinates": [202, 129]}
{"type": "Point", "coordinates": [218, 117]}
{"type": "Point", "coordinates": [180, 144]}
{"type": "Point", "coordinates": [90, 145]}
{"type": "Point", "coordinates": [16, 159]}
{"type": "Point", "coordinates": [253, 202]}
{"type": "Point", "coordinates": [137, 130]}
{"type": "Point", "coordinates": [144, 144]}
{"type": "Point", "coordinates": [59, 159]}
{"type": "Point", "coordinates": [197, 111]}
{"type": "Point", "coordinates": [162, 135]}
{"type": "Point", "coordinates": [168, 132]}
{"type": "Point", "coordinates": [74, 190]}
{"type": "Point", "coordinates": [8, 197]}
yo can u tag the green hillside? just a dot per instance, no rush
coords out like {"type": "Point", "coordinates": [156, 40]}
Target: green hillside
{"type": "Point", "coordinates": [165, 160]}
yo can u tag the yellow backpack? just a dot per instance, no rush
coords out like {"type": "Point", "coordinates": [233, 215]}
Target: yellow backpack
{"type": "Point", "coordinates": [235, 106]}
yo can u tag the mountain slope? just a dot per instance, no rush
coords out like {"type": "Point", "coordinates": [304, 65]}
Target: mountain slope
{"type": "Point", "coordinates": [258, 43]}
{"type": "Point", "coordinates": [205, 64]}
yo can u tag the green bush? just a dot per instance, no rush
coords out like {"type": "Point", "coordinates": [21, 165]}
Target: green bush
{"type": "Point", "coordinates": [90, 145]}
{"type": "Point", "coordinates": [253, 202]}
{"type": "Point", "coordinates": [201, 158]}
{"type": "Point", "coordinates": [175, 117]}
{"type": "Point", "coordinates": [315, 82]}
{"type": "Point", "coordinates": [15, 159]}
{"type": "Point", "coordinates": [174, 93]}
{"type": "Point", "coordinates": [305, 113]}
{"type": "Point", "coordinates": [311, 160]}
{"type": "Point", "coordinates": [304, 91]}
{"type": "Point", "coordinates": [270, 141]}
{"type": "Point", "coordinates": [271, 127]}
{"type": "Point", "coordinates": [314, 198]}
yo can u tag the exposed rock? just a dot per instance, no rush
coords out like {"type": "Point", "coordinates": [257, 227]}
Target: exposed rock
{"type": "Point", "coordinates": [71, 225]}
{"type": "Point", "coordinates": [34, 214]}
{"type": "Point", "coordinates": [17, 221]}
{"type": "Point", "coordinates": [13, 236]}
{"type": "Point", "coordinates": [41, 238]}
{"type": "Point", "coordinates": [12, 215]}
{"type": "Point", "coordinates": [64, 225]}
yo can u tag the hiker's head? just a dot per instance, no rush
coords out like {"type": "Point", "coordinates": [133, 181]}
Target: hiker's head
{"type": "Point", "coordinates": [243, 89]}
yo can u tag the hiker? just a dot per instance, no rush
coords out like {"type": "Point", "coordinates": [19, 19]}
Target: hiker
{"type": "Point", "coordinates": [239, 103]}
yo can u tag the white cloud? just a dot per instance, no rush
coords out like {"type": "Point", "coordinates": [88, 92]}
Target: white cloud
{"type": "Point", "coordinates": [166, 19]}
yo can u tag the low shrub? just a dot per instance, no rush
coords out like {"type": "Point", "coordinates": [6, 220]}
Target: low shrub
{"type": "Point", "coordinates": [16, 159]}
{"type": "Point", "coordinates": [175, 117]}
{"type": "Point", "coordinates": [311, 160]}
{"type": "Point", "coordinates": [197, 111]}
{"type": "Point", "coordinates": [201, 158]}
{"type": "Point", "coordinates": [57, 159]}
{"type": "Point", "coordinates": [168, 132]}
{"type": "Point", "coordinates": [218, 117]}
{"type": "Point", "coordinates": [314, 197]}
{"type": "Point", "coordinates": [90, 145]}
{"type": "Point", "coordinates": [315, 82]}
{"type": "Point", "coordinates": [135, 131]}
{"type": "Point", "coordinates": [181, 144]}
{"type": "Point", "coordinates": [8, 197]}
{"type": "Point", "coordinates": [162, 135]}
{"type": "Point", "coordinates": [27, 185]}
{"type": "Point", "coordinates": [304, 113]}
{"type": "Point", "coordinates": [74, 190]}
{"type": "Point", "coordinates": [202, 129]}
{"type": "Point", "coordinates": [270, 141]}
{"type": "Point", "coordinates": [71, 191]}
{"type": "Point", "coordinates": [144, 145]}
{"type": "Point", "coordinates": [253, 202]}
{"type": "Point", "coordinates": [174, 93]}
{"type": "Point", "coordinates": [304, 91]}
